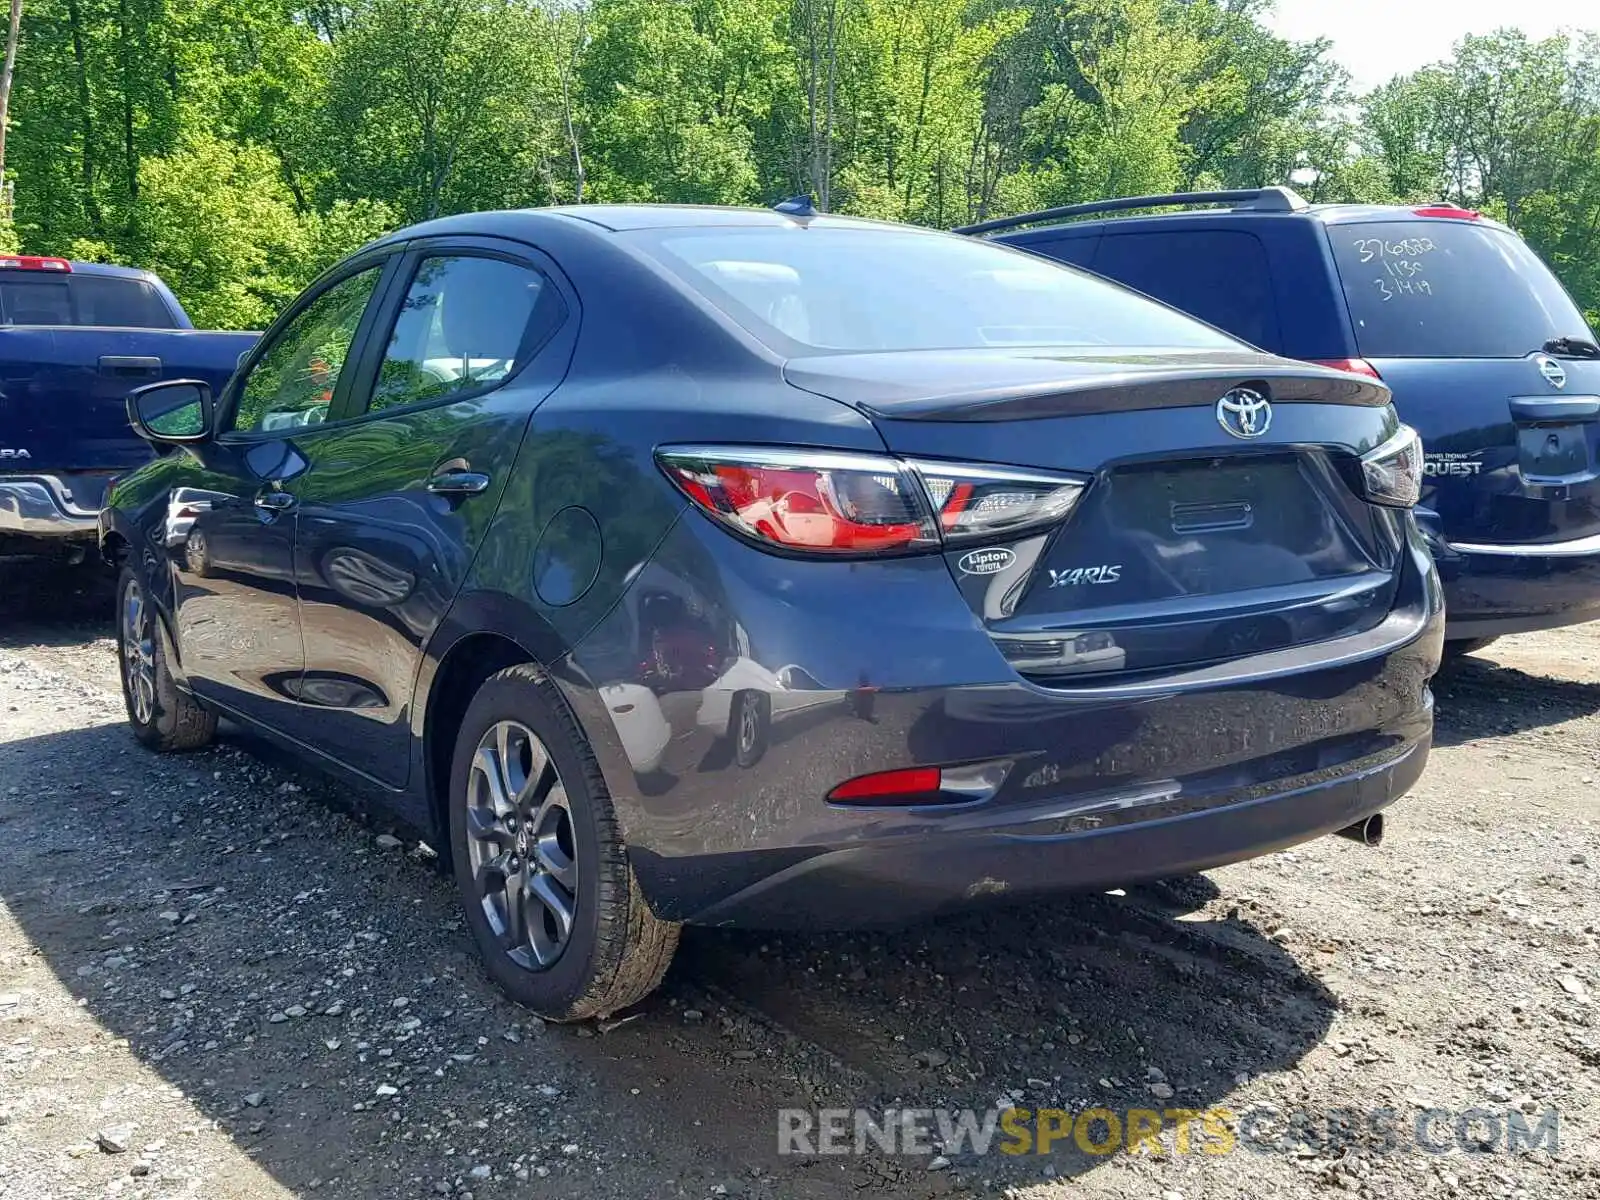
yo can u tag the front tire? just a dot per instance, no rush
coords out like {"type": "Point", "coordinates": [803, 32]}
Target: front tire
{"type": "Point", "coordinates": [540, 862]}
{"type": "Point", "coordinates": [162, 716]}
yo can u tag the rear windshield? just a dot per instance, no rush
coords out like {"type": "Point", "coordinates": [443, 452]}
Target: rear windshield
{"type": "Point", "coordinates": [1448, 289]}
{"type": "Point", "coordinates": [852, 290]}
{"type": "Point", "coordinates": [27, 298]}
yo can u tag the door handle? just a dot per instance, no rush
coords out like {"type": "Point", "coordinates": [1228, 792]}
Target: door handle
{"type": "Point", "coordinates": [129, 366]}
{"type": "Point", "coordinates": [274, 502]}
{"type": "Point", "coordinates": [458, 483]}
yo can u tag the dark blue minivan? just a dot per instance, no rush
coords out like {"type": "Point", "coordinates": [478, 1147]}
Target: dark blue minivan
{"type": "Point", "coordinates": [1488, 357]}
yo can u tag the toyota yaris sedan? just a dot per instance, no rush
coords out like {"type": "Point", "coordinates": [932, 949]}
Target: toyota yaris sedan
{"type": "Point", "coordinates": [506, 504]}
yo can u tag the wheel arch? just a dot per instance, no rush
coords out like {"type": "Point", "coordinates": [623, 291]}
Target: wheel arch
{"type": "Point", "coordinates": [484, 634]}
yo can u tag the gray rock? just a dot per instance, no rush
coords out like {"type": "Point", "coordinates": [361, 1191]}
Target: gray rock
{"type": "Point", "coordinates": [255, 1100]}
{"type": "Point", "coordinates": [1162, 1091]}
{"type": "Point", "coordinates": [388, 841]}
{"type": "Point", "coordinates": [930, 1058]}
{"type": "Point", "coordinates": [114, 1139]}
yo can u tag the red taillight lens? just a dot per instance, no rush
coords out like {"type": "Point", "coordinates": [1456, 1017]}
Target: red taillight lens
{"type": "Point", "coordinates": [1450, 211]}
{"type": "Point", "coordinates": [843, 502]}
{"type": "Point", "coordinates": [823, 502]}
{"type": "Point", "coordinates": [1356, 366]}
{"type": "Point", "coordinates": [33, 262]}
{"type": "Point", "coordinates": [913, 781]}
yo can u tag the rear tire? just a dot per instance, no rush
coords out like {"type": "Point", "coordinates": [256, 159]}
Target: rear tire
{"type": "Point", "coordinates": [539, 858]}
{"type": "Point", "coordinates": [1461, 647]}
{"type": "Point", "coordinates": [162, 716]}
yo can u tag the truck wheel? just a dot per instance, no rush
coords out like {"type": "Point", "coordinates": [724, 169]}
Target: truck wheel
{"type": "Point", "coordinates": [539, 859]}
{"type": "Point", "coordinates": [1461, 647]}
{"type": "Point", "coordinates": [163, 717]}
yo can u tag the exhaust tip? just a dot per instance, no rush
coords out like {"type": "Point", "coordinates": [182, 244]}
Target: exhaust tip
{"type": "Point", "coordinates": [1368, 832]}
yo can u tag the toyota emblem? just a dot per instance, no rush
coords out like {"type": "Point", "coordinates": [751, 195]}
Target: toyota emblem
{"type": "Point", "coordinates": [1245, 413]}
{"type": "Point", "coordinates": [1554, 373]}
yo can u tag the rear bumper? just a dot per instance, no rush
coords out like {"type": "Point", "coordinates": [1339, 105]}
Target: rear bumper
{"type": "Point", "coordinates": [43, 506]}
{"type": "Point", "coordinates": [1108, 782]}
{"type": "Point", "coordinates": [1492, 590]}
{"type": "Point", "coordinates": [906, 879]}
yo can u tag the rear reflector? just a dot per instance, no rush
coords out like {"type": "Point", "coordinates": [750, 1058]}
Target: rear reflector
{"type": "Point", "coordinates": [832, 502]}
{"type": "Point", "coordinates": [1448, 210]}
{"type": "Point", "coordinates": [1356, 366]}
{"type": "Point", "coordinates": [32, 262]}
{"type": "Point", "coordinates": [914, 781]}
{"type": "Point", "coordinates": [925, 785]}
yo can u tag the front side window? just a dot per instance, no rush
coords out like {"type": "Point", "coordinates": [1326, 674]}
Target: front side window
{"type": "Point", "coordinates": [461, 327]}
{"type": "Point", "coordinates": [293, 382]}
{"type": "Point", "coordinates": [827, 289]}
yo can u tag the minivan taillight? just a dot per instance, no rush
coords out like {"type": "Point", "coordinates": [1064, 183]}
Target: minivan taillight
{"type": "Point", "coordinates": [1356, 366]}
{"type": "Point", "coordinates": [839, 502]}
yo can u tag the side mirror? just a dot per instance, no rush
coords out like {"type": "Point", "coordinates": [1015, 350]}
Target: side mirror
{"type": "Point", "coordinates": [174, 412]}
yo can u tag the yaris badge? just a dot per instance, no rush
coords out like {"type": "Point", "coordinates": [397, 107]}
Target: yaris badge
{"type": "Point", "coordinates": [1244, 413]}
{"type": "Point", "coordinates": [1554, 373]}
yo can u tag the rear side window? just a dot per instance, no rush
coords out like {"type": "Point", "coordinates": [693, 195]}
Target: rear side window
{"type": "Point", "coordinates": [36, 301]}
{"type": "Point", "coordinates": [464, 325]}
{"type": "Point", "coordinates": [131, 303]}
{"type": "Point", "coordinates": [1448, 289]}
{"type": "Point", "coordinates": [1218, 275]}
{"type": "Point", "coordinates": [83, 300]}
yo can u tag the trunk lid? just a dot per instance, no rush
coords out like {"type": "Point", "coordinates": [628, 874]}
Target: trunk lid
{"type": "Point", "coordinates": [1190, 544]}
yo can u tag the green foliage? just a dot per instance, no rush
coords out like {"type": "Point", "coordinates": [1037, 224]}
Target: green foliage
{"type": "Point", "coordinates": [241, 146]}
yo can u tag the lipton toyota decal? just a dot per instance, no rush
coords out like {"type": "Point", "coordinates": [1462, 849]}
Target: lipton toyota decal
{"type": "Point", "coordinates": [986, 562]}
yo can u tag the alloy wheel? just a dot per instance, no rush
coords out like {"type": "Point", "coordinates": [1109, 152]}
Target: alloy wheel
{"type": "Point", "coordinates": [138, 654]}
{"type": "Point", "coordinates": [520, 841]}
{"type": "Point", "coordinates": [749, 722]}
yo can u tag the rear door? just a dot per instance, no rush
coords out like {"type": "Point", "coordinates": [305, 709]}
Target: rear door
{"type": "Point", "coordinates": [1455, 315]}
{"type": "Point", "coordinates": [403, 485]}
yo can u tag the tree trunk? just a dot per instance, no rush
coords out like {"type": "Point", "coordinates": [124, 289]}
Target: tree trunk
{"type": "Point", "coordinates": [5, 81]}
{"type": "Point", "coordinates": [91, 206]}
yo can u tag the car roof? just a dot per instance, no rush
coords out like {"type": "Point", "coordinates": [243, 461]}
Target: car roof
{"type": "Point", "coordinates": [622, 218]}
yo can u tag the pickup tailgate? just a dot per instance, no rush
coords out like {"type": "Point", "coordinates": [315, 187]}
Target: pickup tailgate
{"type": "Point", "coordinates": [63, 391]}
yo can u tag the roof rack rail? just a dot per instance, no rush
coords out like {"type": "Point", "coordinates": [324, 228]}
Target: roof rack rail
{"type": "Point", "coordinates": [1267, 199]}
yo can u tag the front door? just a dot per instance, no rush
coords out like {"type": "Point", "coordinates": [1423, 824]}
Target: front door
{"type": "Point", "coordinates": [231, 524]}
{"type": "Point", "coordinates": [401, 489]}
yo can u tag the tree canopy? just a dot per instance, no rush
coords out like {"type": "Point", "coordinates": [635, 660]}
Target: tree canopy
{"type": "Point", "coordinates": [240, 146]}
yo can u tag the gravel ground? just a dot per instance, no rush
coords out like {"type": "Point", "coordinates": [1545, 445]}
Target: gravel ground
{"type": "Point", "coordinates": [223, 976]}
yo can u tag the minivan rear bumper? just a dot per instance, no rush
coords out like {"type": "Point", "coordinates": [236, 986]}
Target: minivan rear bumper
{"type": "Point", "coordinates": [1491, 590]}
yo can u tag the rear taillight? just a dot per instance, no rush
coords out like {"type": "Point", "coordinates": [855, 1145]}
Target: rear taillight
{"type": "Point", "coordinates": [1392, 474]}
{"type": "Point", "coordinates": [1356, 366]}
{"type": "Point", "coordinates": [846, 503]}
{"type": "Point", "coordinates": [980, 503]}
{"type": "Point", "coordinates": [33, 262]}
